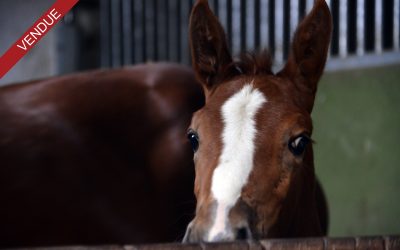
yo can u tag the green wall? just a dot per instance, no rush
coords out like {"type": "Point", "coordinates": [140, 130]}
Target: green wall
{"type": "Point", "coordinates": [357, 150]}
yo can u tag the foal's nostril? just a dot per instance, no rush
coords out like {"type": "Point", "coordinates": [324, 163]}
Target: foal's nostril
{"type": "Point", "coordinates": [242, 234]}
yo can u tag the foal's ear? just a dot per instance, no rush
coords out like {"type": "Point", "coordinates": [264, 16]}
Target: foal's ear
{"type": "Point", "coordinates": [309, 52]}
{"type": "Point", "coordinates": [210, 54]}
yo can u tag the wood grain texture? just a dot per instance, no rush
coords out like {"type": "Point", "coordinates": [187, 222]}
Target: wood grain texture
{"type": "Point", "coordinates": [349, 243]}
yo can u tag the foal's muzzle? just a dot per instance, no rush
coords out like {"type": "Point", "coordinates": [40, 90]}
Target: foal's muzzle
{"type": "Point", "coordinates": [197, 234]}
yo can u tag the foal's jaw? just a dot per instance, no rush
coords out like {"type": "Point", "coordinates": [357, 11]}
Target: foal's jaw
{"type": "Point", "coordinates": [251, 138]}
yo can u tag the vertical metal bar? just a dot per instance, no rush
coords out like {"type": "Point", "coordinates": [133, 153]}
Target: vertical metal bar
{"type": "Point", "coordinates": [105, 33]}
{"type": "Point", "coordinates": [309, 5]}
{"type": "Point", "coordinates": [179, 30]}
{"type": "Point", "coordinates": [328, 2]}
{"type": "Point", "coordinates": [216, 7]}
{"type": "Point", "coordinates": [162, 29]}
{"type": "Point", "coordinates": [294, 16]}
{"type": "Point", "coordinates": [343, 28]}
{"type": "Point", "coordinates": [236, 32]}
{"type": "Point", "coordinates": [133, 26]}
{"type": "Point", "coordinates": [144, 32]}
{"type": "Point", "coordinates": [184, 32]}
{"type": "Point", "coordinates": [396, 25]}
{"type": "Point", "coordinates": [243, 31]}
{"type": "Point", "coordinates": [127, 31]}
{"type": "Point", "coordinates": [360, 27]}
{"type": "Point", "coordinates": [229, 22]}
{"type": "Point", "coordinates": [155, 30]}
{"type": "Point", "coordinates": [149, 24]}
{"type": "Point", "coordinates": [264, 23]}
{"type": "Point", "coordinates": [138, 31]}
{"type": "Point", "coordinates": [378, 26]}
{"type": "Point", "coordinates": [116, 58]}
{"type": "Point", "coordinates": [256, 30]}
{"type": "Point", "coordinates": [167, 31]}
{"type": "Point", "coordinates": [172, 30]}
{"type": "Point", "coordinates": [223, 13]}
{"type": "Point", "coordinates": [279, 31]}
{"type": "Point", "coordinates": [250, 24]}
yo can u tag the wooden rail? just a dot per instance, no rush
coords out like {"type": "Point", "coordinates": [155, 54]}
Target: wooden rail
{"type": "Point", "coordinates": [376, 242]}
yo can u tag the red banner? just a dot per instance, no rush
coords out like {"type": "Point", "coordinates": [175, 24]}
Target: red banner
{"type": "Point", "coordinates": [33, 35]}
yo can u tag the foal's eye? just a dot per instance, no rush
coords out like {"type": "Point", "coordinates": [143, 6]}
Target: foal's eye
{"type": "Point", "coordinates": [298, 144]}
{"type": "Point", "coordinates": [194, 140]}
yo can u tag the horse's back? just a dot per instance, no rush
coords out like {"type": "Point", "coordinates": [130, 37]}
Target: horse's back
{"type": "Point", "coordinates": [97, 157]}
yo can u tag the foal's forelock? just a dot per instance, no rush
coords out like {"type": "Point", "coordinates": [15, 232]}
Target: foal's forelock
{"type": "Point", "coordinates": [236, 159]}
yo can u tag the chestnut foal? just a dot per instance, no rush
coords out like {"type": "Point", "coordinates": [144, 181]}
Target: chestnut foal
{"type": "Point", "coordinates": [253, 157]}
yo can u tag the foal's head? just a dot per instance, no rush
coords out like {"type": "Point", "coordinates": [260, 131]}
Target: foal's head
{"type": "Point", "coordinates": [253, 156]}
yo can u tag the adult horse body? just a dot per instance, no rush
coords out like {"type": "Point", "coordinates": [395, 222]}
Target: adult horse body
{"type": "Point", "coordinates": [253, 156]}
{"type": "Point", "coordinates": [98, 157]}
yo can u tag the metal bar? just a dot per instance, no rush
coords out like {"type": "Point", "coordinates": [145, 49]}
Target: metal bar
{"type": "Point", "coordinates": [309, 5]}
{"type": "Point", "coordinates": [133, 26]}
{"type": "Point", "coordinates": [173, 54]}
{"type": "Point", "coordinates": [167, 34]}
{"type": "Point", "coordinates": [243, 31]}
{"type": "Point", "coordinates": [257, 24]}
{"type": "Point", "coordinates": [328, 2]}
{"type": "Point", "coordinates": [366, 61]}
{"type": "Point", "coordinates": [138, 32]}
{"type": "Point", "coordinates": [360, 27]}
{"type": "Point", "coordinates": [250, 24]}
{"type": "Point", "coordinates": [178, 30]}
{"type": "Point", "coordinates": [105, 42]}
{"type": "Point", "coordinates": [155, 30]}
{"type": "Point", "coordinates": [343, 28]}
{"type": "Point", "coordinates": [222, 7]}
{"type": "Point", "coordinates": [279, 31]}
{"type": "Point", "coordinates": [229, 22]}
{"type": "Point", "coordinates": [264, 23]}
{"type": "Point", "coordinates": [127, 31]}
{"type": "Point", "coordinates": [396, 25]}
{"type": "Point", "coordinates": [184, 31]}
{"type": "Point", "coordinates": [162, 29]}
{"type": "Point", "coordinates": [216, 7]}
{"type": "Point", "coordinates": [294, 16]}
{"type": "Point", "coordinates": [144, 32]}
{"type": "Point", "coordinates": [149, 34]}
{"type": "Point", "coordinates": [116, 57]}
{"type": "Point", "coordinates": [378, 26]}
{"type": "Point", "coordinates": [236, 38]}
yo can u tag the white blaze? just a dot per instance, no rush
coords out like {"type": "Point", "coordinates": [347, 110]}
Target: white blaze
{"type": "Point", "coordinates": [236, 159]}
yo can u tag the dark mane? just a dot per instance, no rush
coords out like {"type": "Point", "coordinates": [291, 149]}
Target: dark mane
{"type": "Point", "coordinates": [249, 63]}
